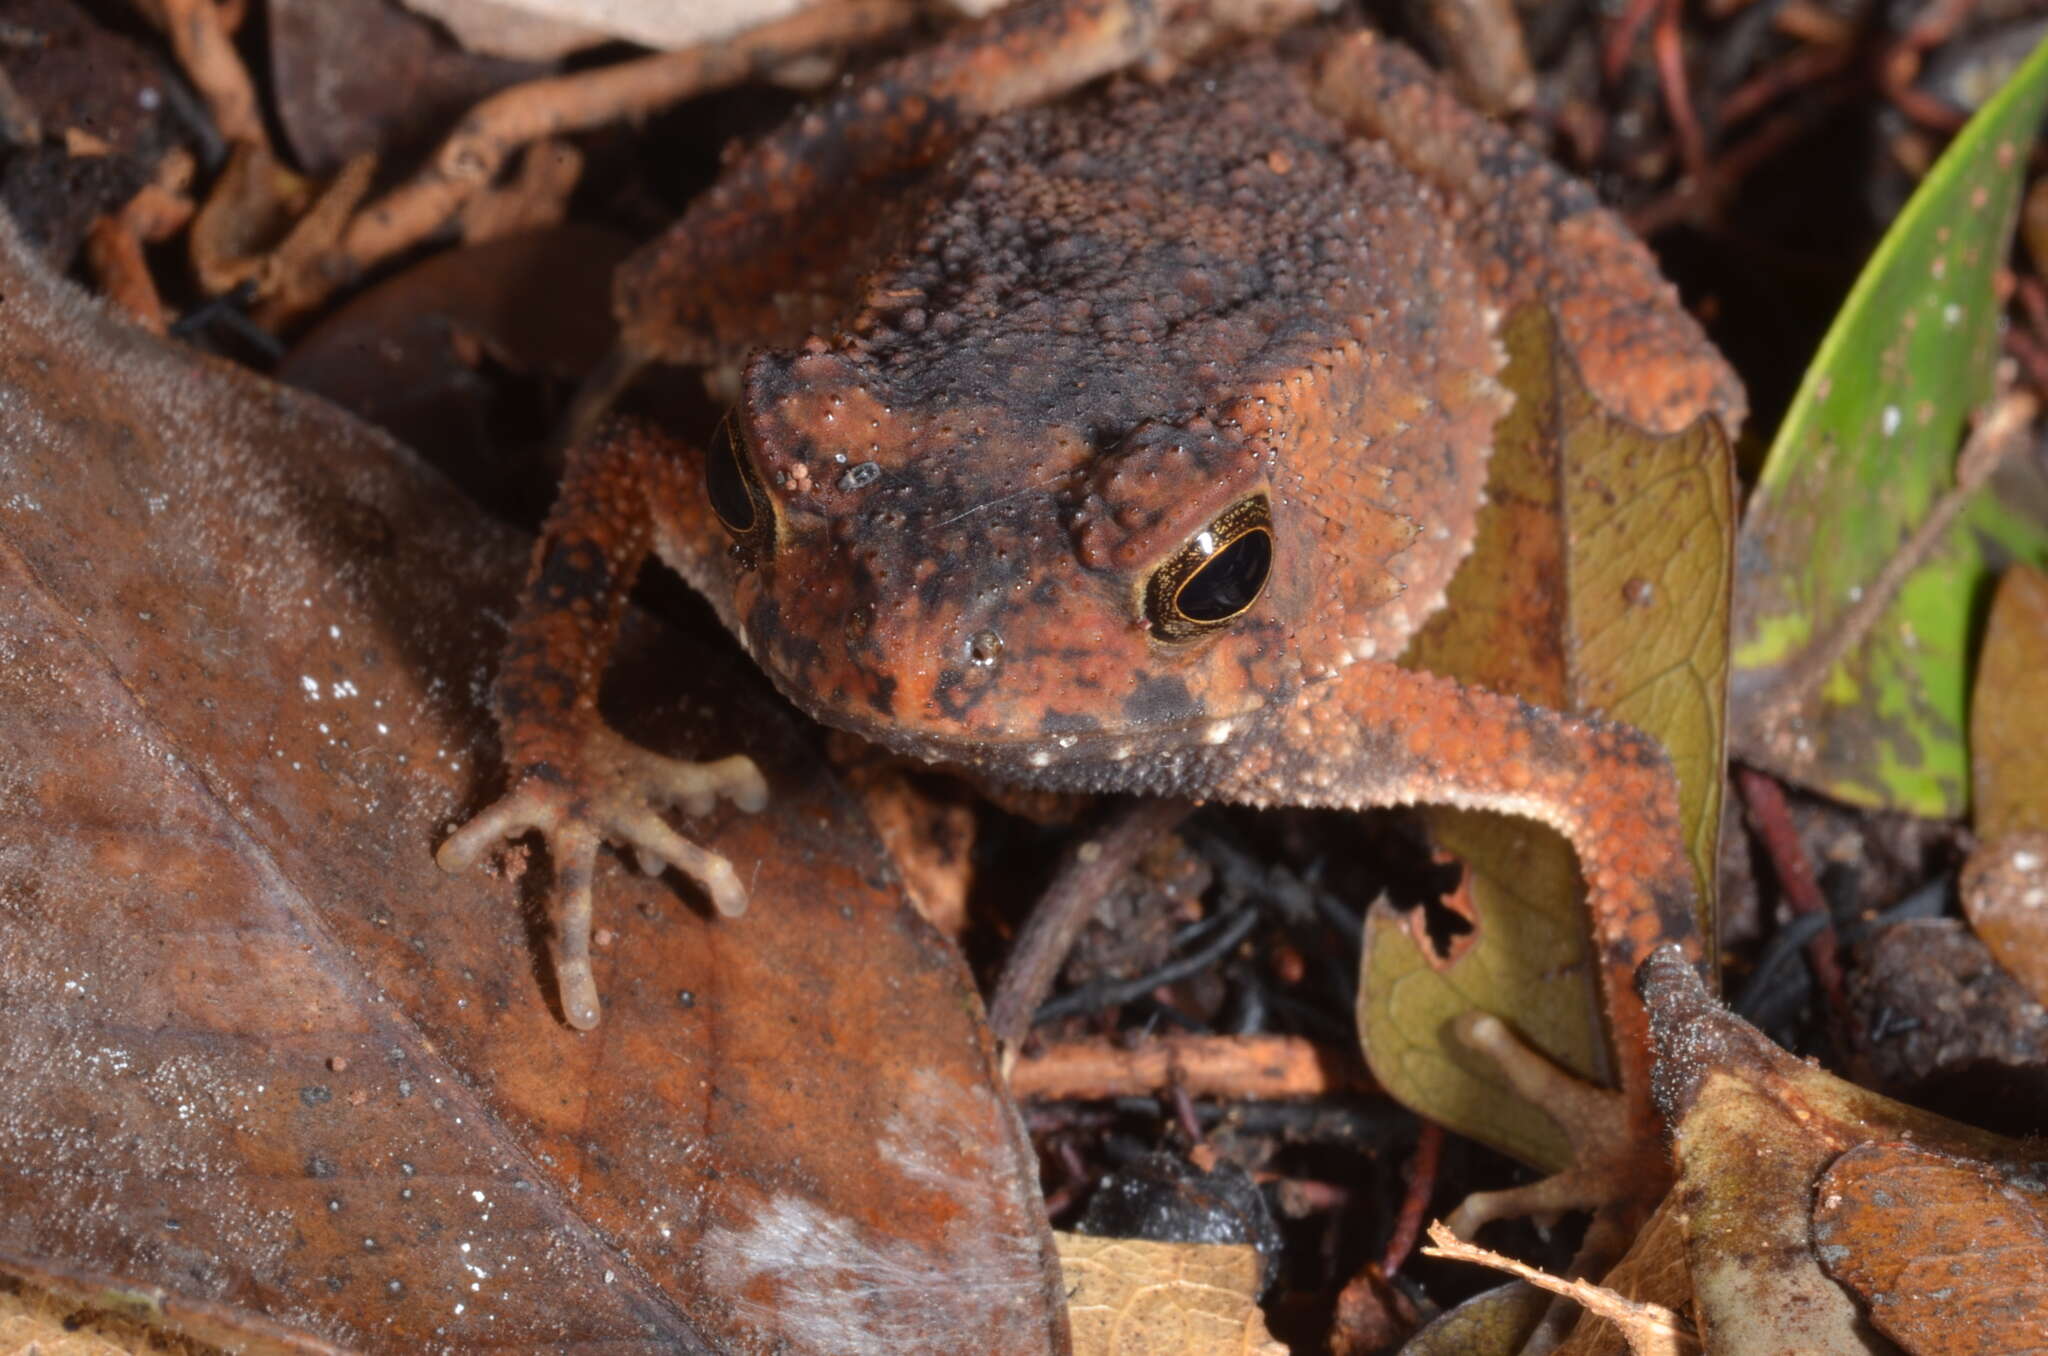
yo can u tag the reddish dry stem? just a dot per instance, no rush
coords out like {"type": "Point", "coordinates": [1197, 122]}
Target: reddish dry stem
{"type": "Point", "coordinates": [114, 254]}
{"type": "Point", "coordinates": [1421, 1175]}
{"type": "Point", "coordinates": [1771, 817]}
{"type": "Point", "coordinates": [1667, 43]}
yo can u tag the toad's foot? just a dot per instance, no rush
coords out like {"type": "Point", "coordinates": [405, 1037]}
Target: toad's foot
{"type": "Point", "coordinates": [1620, 1167]}
{"type": "Point", "coordinates": [612, 792]}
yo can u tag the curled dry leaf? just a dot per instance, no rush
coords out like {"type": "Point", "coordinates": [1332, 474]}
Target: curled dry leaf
{"type": "Point", "coordinates": [415, 355]}
{"type": "Point", "coordinates": [1755, 1129]}
{"type": "Point", "coordinates": [261, 1054]}
{"type": "Point", "coordinates": [1134, 1297]}
{"type": "Point", "coordinates": [1947, 1254]}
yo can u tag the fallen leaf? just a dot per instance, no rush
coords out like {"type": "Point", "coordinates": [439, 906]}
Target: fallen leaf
{"type": "Point", "coordinates": [1865, 454]}
{"type": "Point", "coordinates": [261, 1055]}
{"type": "Point", "coordinates": [334, 106]}
{"type": "Point", "coordinates": [1598, 583]}
{"type": "Point", "coordinates": [1947, 1255]}
{"type": "Point", "coordinates": [1133, 1297]}
{"type": "Point", "coordinates": [1644, 1328]}
{"type": "Point", "coordinates": [2009, 710]}
{"type": "Point", "coordinates": [416, 355]}
{"type": "Point", "coordinates": [1653, 1271]}
{"type": "Point", "coordinates": [1754, 1129]}
{"type": "Point", "coordinates": [2005, 883]}
{"type": "Point", "coordinates": [45, 1315]}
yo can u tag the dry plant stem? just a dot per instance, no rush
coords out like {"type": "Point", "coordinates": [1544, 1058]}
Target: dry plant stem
{"type": "Point", "coordinates": [1999, 431]}
{"type": "Point", "coordinates": [113, 243]}
{"type": "Point", "coordinates": [1622, 35]}
{"type": "Point", "coordinates": [472, 156]}
{"type": "Point", "coordinates": [2032, 356]}
{"type": "Point", "coordinates": [1807, 66]}
{"type": "Point", "coordinates": [1649, 1329]}
{"type": "Point", "coordinates": [1899, 67]}
{"type": "Point", "coordinates": [199, 36]}
{"type": "Point", "coordinates": [1771, 817]}
{"type": "Point", "coordinates": [114, 254]}
{"type": "Point", "coordinates": [1421, 1174]}
{"type": "Point", "coordinates": [1246, 1068]}
{"type": "Point", "coordinates": [1698, 199]}
{"type": "Point", "coordinates": [1089, 870]}
{"type": "Point", "coordinates": [1667, 44]}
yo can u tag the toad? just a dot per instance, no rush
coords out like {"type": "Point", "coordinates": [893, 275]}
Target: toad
{"type": "Point", "coordinates": [1109, 434]}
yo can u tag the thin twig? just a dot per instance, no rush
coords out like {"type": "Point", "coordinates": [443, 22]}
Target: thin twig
{"type": "Point", "coordinates": [1091, 867]}
{"type": "Point", "coordinates": [1230, 1067]}
{"type": "Point", "coordinates": [495, 129]}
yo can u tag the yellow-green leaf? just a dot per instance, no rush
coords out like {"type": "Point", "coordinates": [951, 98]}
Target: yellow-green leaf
{"type": "Point", "coordinates": [1599, 582]}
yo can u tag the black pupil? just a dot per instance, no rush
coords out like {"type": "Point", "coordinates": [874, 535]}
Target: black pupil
{"type": "Point", "coordinates": [1230, 581]}
{"type": "Point", "coordinates": [726, 483]}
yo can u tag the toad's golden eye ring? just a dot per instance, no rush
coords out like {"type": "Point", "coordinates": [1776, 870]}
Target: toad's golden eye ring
{"type": "Point", "coordinates": [737, 496]}
{"type": "Point", "coordinates": [1216, 577]}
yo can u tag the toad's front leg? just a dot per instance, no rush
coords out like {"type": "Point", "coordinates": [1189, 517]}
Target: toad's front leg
{"type": "Point", "coordinates": [1380, 735]}
{"type": "Point", "coordinates": [572, 777]}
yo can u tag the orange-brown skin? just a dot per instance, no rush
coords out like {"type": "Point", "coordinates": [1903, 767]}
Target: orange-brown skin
{"type": "Point", "coordinates": [1087, 332]}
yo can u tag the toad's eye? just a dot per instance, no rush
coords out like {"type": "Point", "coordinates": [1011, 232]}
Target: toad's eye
{"type": "Point", "coordinates": [1216, 577]}
{"type": "Point", "coordinates": [737, 496]}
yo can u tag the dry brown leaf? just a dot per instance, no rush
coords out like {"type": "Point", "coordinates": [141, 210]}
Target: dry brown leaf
{"type": "Point", "coordinates": [1755, 1128]}
{"type": "Point", "coordinates": [42, 1314]}
{"type": "Point", "coordinates": [2005, 885]}
{"type": "Point", "coordinates": [1134, 1297]}
{"type": "Point", "coordinates": [334, 106]}
{"type": "Point", "coordinates": [2009, 710]}
{"type": "Point", "coordinates": [1653, 1270]}
{"type": "Point", "coordinates": [1950, 1256]}
{"type": "Point", "coordinates": [260, 1054]}
{"type": "Point", "coordinates": [1644, 1327]}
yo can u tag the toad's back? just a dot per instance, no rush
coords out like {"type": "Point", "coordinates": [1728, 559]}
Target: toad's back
{"type": "Point", "coordinates": [1147, 253]}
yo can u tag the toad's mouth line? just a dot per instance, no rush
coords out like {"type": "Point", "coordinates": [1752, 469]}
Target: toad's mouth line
{"type": "Point", "coordinates": [1029, 749]}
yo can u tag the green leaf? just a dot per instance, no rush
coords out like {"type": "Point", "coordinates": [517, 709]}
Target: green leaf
{"type": "Point", "coordinates": [1866, 451]}
{"type": "Point", "coordinates": [1598, 581]}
